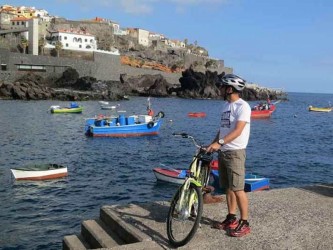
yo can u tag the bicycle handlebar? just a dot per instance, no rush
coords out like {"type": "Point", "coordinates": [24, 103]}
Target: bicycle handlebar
{"type": "Point", "coordinates": [185, 135]}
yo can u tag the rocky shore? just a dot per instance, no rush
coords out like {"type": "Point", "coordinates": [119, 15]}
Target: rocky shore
{"type": "Point", "coordinates": [70, 86]}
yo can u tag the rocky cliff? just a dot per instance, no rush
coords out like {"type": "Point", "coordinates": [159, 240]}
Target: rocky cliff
{"type": "Point", "coordinates": [70, 86]}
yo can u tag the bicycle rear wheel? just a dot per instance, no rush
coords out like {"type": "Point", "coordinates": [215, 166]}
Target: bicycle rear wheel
{"type": "Point", "coordinates": [183, 224]}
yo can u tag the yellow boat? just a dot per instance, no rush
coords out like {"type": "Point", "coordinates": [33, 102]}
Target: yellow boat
{"type": "Point", "coordinates": [317, 109]}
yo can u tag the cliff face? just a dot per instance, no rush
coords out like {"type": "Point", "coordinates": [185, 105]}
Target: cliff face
{"type": "Point", "coordinates": [72, 87]}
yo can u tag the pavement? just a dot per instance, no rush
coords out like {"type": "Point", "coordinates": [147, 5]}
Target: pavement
{"type": "Point", "coordinates": [289, 218]}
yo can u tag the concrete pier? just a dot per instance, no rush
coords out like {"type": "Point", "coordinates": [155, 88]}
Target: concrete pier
{"type": "Point", "coordinates": [290, 218]}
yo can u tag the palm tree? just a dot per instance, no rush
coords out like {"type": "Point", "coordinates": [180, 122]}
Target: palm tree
{"type": "Point", "coordinates": [42, 44]}
{"type": "Point", "coordinates": [58, 47]}
{"type": "Point", "coordinates": [24, 44]}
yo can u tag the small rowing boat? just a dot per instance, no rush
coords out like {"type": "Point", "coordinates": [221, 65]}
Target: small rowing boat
{"type": "Point", "coordinates": [317, 109]}
{"type": "Point", "coordinates": [197, 114]}
{"type": "Point", "coordinates": [37, 172]}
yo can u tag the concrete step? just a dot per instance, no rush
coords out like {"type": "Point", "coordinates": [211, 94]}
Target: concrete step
{"type": "Point", "coordinates": [98, 235]}
{"type": "Point", "coordinates": [110, 231]}
{"type": "Point", "coordinates": [126, 231]}
{"type": "Point", "coordinates": [71, 242]}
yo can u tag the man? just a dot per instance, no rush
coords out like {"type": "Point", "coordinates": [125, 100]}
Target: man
{"type": "Point", "coordinates": [232, 139]}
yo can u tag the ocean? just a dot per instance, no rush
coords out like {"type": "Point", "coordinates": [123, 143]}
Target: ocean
{"type": "Point", "coordinates": [293, 148]}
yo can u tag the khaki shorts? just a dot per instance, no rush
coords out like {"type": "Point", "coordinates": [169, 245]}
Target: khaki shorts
{"type": "Point", "coordinates": [232, 169]}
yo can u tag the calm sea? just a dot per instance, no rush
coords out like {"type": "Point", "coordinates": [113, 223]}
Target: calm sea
{"type": "Point", "coordinates": [293, 148]}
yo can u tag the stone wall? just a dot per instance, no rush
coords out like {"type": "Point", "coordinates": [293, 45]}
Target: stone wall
{"type": "Point", "coordinates": [102, 67]}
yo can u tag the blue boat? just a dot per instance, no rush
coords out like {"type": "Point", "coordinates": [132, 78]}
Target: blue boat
{"type": "Point", "coordinates": [124, 126]}
{"type": "Point", "coordinates": [252, 182]}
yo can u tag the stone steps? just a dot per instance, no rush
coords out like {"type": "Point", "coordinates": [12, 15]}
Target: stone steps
{"type": "Point", "coordinates": [109, 231]}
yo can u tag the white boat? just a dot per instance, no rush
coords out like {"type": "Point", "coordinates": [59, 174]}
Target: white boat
{"type": "Point", "coordinates": [39, 172]}
{"type": "Point", "coordinates": [103, 103]}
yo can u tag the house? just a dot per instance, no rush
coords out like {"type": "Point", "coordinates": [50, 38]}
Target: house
{"type": "Point", "coordinates": [74, 40]}
{"type": "Point", "coordinates": [140, 35]}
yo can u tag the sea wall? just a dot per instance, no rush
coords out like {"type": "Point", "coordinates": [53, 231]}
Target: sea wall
{"type": "Point", "coordinates": [102, 67]}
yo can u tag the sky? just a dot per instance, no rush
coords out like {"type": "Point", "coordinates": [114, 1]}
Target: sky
{"type": "Point", "coordinates": [284, 44]}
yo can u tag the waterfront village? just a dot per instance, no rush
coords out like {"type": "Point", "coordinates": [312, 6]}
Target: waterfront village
{"type": "Point", "coordinates": [99, 49]}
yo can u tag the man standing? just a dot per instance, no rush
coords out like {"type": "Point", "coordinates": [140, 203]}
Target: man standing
{"type": "Point", "coordinates": [232, 139]}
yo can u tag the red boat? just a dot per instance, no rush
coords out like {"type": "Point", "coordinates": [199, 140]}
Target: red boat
{"type": "Point", "coordinates": [197, 114]}
{"type": "Point", "coordinates": [263, 110]}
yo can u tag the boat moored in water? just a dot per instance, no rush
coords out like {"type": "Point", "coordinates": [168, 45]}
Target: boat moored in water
{"type": "Point", "coordinates": [73, 108]}
{"type": "Point", "coordinates": [318, 109]}
{"type": "Point", "coordinates": [37, 172]}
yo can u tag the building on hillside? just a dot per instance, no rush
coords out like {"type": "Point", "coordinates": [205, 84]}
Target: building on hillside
{"type": "Point", "coordinates": [5, 19]}
{"type": "Point", "coordinates": [74, 40]}
{"type": "Point", "coordinates": [20, 23]}
{"type": "Point", "coordinates": [140, 35]}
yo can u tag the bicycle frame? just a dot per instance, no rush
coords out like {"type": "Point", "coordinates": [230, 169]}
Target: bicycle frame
{"type": "Point", "coordinates": [194, 178]}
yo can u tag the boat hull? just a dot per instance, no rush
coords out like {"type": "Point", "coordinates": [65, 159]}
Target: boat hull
{"type": "Point", "coordinates": [176, 176]}
{"type": "Point", "coordinates": [67, 110]}
{"type": "Point", "coordinates": [316, 109]}
{"type": "Point", "coordinates": [252, 182]}
{"type": "Point", "coordinates": [38, 175]}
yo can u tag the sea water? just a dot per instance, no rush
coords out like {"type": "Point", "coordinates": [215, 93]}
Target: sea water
{"type": "Point", "coordinates": [293, 148]}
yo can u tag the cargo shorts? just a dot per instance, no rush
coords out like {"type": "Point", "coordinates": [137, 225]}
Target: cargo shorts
{"type": "Point", "coordinates": [232, 169]}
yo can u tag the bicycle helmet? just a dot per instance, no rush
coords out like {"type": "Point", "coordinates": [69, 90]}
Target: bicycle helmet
{"type": "Point", "coordinates": [232, 80]}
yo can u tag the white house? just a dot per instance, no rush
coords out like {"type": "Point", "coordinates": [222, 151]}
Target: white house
{"type": "Point", "coordinates": [74, 40]}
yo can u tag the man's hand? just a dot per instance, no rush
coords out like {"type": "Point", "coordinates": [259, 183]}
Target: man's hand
{"type": "Point", "coordinates": [213, 147]}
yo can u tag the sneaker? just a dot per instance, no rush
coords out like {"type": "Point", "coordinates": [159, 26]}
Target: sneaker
{"type": "Point", "coordinates": [242, 229]}
{"type": "Point", "coordinates": [227, 224]}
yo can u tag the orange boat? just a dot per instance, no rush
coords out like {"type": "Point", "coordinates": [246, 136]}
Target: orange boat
{"type": "Point", "coordinates": [197, 114]}
{"type": "Point", "coordinates": [257, 112]}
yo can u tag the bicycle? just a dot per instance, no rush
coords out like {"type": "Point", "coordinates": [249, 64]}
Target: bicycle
{"type": "Point", "coordinates": [186, 206]}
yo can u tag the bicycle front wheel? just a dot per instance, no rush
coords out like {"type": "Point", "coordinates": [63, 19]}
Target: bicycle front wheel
{"type": "Point", "coordinates": [184, 219]}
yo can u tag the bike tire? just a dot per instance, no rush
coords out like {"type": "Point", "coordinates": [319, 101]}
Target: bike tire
{"type": "Point", "coordinates": [176, 238]}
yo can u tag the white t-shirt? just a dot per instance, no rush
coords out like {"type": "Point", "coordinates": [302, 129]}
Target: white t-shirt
{"type": "Point", "coordinates": [232, 112]}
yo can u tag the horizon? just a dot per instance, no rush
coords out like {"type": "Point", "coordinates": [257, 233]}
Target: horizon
{"type": "Point", "coordinates": [284, 44]}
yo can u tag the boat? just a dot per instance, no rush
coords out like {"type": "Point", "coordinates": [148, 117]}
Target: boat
{"type": "Point", "coordinates": [73, 108]}
{"type": "Point", "coordinates": [263, 110]}
{"type": "Point", "coordinates": [176, 175]}
{"type": "Point", "coordinates": [124, 126]}
{"type": "Point", "coordinates": [103, 103]}
{"type": "Point", "coordinates": [317, 109]}
{"type": "Point", "coordinates": [252, 182]}
{"type": "Point", "coordinates": [108, 107]}
{"type": "Point", "coordinates": [196, 114]}
{"type": "Point", "coordinates": [37, 172]}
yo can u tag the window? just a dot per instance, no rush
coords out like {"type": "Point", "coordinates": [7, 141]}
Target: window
{"type": "Point", "coordinates": [65, 37]}
{"type": "Point", "coordinates": [22, 23]}
{"type": "Point", "coordinates": [86, 40]}
{"type": "Point", "coordinates": [17, 23]}
{"type": "Point", "coordinates": [80, 46]}
{"type": "Point", "coordinates": [66, 44]}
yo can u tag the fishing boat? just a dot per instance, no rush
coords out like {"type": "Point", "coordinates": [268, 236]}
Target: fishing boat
{"type": "Point", "coordinates": [73, 108]}
{"type": "Point", "coordinates": [263, 110]}
{"type": "Point", "coordinates": [39, 172]}
{"type": "Point", "coordinates": [178, 175]}
{"type": "Point", "coordinates": [252, 182]}
{"type": "Point", "coordinates": [196, 114]}
{"type": "Point", "coordinates": [124, 126]}
{"type": "Point", "coordinates": [317, 109]}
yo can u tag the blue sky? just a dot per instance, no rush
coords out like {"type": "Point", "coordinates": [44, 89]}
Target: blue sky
{"type": "Point", "coordinates": [284, 44]}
